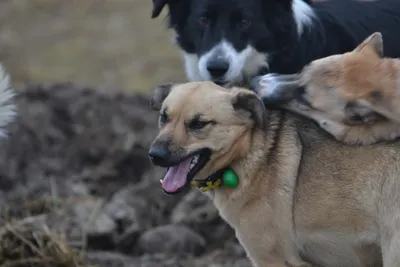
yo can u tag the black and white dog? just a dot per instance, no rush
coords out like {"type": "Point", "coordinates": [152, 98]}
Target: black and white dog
{"type": "Point", "coordinates": [231, 41]}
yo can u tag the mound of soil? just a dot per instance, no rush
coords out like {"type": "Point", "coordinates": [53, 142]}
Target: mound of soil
{"type": "Point", "coordinates": [76, 160]}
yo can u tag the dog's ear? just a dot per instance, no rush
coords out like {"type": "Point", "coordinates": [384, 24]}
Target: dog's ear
{"type": "Point", "coordinates": [159, 94]}
{"type": "Point", "coordinates": [373, 43]}
{"type": "Point", "coordinates": [249, 102]}
{"type": "Point", "coordinates": [380, 106]}
{"type": "Point", "coordinates": [357, 113]}
{"type": "Point", "coordinates": [158, 6]}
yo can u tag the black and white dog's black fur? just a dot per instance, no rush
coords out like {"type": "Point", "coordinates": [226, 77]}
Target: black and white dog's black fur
{"type": "Point", "coordinates": [231, 41]}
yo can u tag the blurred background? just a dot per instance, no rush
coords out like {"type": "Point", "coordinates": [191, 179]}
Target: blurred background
{"type": "Point", "coordinates": [106, 43]}
{"type": "Point", "coordinates": [76, 185]}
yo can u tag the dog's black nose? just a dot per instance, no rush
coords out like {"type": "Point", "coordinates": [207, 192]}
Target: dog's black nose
{"type": "Point", "coordinates": [159, 155]}
{"type": "Point", "coordinates": [217, 68]}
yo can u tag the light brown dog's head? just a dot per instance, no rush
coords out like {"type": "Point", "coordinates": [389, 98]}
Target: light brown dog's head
{"type": "Point", "coordinates": [202, 128]}
{"type": "Point", "coordinates": [352, 88]}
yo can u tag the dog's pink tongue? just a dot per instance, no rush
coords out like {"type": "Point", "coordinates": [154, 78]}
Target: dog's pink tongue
{"type": "Point", "coordinates": [176, 176]}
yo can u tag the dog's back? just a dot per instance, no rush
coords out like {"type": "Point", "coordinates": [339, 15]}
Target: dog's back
{"type": "Point", "coordinates": [359, 20]}
{"type": "Point", "coordinates": [346, 188]}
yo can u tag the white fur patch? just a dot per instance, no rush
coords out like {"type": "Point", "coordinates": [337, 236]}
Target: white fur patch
{"type": "Point", "coordinates": [191, 67]}
{"type": "Point", "coordinates": [267, 85]}
{"type": "Point", "coordinates": [242, 64]}
{"type": "Point", "coordinates": [7, 108]}
{"type": "Point", "coordinates": [303, 14]}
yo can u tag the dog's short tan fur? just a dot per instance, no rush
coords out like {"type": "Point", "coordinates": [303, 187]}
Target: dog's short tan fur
{"type": "Point", "coordinates": [304, 199]}
{"type": "Point", "coordinates": [354, 96]}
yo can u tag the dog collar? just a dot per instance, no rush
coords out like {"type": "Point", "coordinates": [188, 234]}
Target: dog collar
{"type": "Point", "coordinates": [225, 177]}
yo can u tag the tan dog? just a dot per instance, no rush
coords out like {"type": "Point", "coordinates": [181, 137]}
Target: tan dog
{"type": "Point", "coordinates": [303, 199]}
{"type": "Point", "coordinates": [354, 96]}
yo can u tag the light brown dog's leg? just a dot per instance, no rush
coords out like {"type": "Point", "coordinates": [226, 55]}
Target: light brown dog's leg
{"type": "Point", "coordinates": [391, 251]}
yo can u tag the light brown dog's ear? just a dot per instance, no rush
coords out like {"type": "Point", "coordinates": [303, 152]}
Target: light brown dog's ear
{"type": "Point", "coordinates": [373, 43]}
{"type": "Point", "coordinates": [382, 108]}
{"type": "Point", "coordinates": [249, 102]}
{"type": "Point", "coordinates": [159, 94]}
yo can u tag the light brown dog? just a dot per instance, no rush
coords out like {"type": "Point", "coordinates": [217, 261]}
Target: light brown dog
{"type": "Point", "coordinates": [303, 198]}
{"type": "Point", "coordinates": [354, 96]}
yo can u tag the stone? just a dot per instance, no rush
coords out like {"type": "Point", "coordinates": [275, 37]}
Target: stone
{"type": "Point", "coordinates": [177, 239]}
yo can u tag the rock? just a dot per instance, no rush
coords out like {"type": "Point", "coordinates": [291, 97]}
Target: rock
{"type": "Point", "coordinates": [109, 259]}
{"type": "Point", "coordinates": [139, 207]}
{"type": "Point", "coordinates": [171, 239]}
{"type": "Point", "coordinates": [234, 249]}
{"type": "Point", "coordinates": [194, 208]}
{"type": "Point", "coordinates": [86, 220]}
{"type": "Point", "coordinates": [197, 211]}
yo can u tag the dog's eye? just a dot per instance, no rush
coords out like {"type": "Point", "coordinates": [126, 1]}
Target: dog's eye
{"type": "Point", "coordinates": [163, 117]}
{"type": "Point", "coordinates": [357, 118]}
{"type": "Point", "coordinates": [197, 124]}
{"type": "Point", "coordinates": [203, 20]}
{"type": "Point", "coordinates": [300, 95]}
{"type": "Point", "coordinates": [244, 24]}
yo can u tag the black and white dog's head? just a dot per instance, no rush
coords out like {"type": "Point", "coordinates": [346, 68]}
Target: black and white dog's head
{"type": "Point", "coordinates": [231, 41]}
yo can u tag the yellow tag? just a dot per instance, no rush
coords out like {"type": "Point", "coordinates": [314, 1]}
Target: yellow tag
{"type": "Point", "coordinates": [209, 185]}
{"type": "Point", "coordinates": [195, 184]}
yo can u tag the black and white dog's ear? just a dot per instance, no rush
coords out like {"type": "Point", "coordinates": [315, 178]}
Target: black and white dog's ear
{"type": "Point", "coordinates": [159, 94]}
{"type": "Point", "coordinates": [309, 2]}
{"type": "Point", "coordinates": [158, 6]}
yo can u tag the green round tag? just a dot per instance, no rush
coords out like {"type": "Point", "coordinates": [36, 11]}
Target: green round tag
{"type": "Point", "coordinates": [230, 178]}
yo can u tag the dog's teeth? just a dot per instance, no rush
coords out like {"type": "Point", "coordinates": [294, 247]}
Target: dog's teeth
{"type": "Point", "coordinates": [161, 180]}
{"type": "Point", "coordinates": [194, 161]}
{"type": "Point", "coordinates": [192, 165]}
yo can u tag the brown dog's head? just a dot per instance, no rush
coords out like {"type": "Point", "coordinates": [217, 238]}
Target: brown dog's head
{"type": "Point", "coordinates": [350, 88]}
{"type": "Point", "coordinates": [202, 128]}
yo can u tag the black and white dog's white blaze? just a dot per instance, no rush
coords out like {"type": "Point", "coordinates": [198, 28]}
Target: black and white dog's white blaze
{"type": "Point", "coordinates": [231, 41]}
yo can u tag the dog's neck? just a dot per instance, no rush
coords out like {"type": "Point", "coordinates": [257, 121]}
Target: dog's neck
{"type": "Point", "coordinates": [268, 169]}
{"type": "Point", "coordinates": [394, 107]}
{"type": "Point", "coordinates": [265, 147]}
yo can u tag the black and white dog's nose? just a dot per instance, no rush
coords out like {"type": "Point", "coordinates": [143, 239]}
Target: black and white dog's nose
{"type": "Point", "coordinates": [217, 68]}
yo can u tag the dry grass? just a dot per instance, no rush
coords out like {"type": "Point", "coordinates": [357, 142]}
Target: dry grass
{"type": "Point", "coordinates": [30, 243]}
{"type": "Point", "coordinates": [102, 43]}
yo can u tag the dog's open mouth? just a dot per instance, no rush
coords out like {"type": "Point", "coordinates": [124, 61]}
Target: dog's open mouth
{"type": "Point", "coordinates": [180, 175]}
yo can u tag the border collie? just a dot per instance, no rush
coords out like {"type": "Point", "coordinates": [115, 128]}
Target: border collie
{"type": "Point", "coordinates": [231, 41]}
